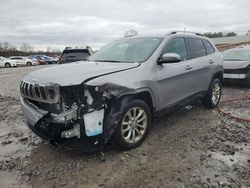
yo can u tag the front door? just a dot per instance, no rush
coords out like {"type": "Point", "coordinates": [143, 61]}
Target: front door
{"type": "Point", "coordinates": [174, 80]}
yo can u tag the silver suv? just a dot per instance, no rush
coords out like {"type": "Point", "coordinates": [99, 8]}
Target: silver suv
{"type": "Point", "coordinates": [115, 95]}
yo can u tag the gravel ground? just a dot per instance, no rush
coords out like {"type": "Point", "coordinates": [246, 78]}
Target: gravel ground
{"type": "Point", "coordinates": [193, 147]}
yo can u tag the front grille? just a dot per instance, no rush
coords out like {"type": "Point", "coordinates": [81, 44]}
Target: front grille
{"type": "Point", "coordinates": [32, 90]}
{"type": "Point", "coordinates": [39, 93]}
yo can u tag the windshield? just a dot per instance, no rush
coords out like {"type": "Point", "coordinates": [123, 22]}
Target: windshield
{"type": "Point", "coordinates": [237, 55]}
{"type": "Point", "coordinates": [127, 50]}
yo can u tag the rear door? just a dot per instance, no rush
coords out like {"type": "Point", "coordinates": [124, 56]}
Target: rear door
{"type": "Point", "coordinates": [201, 74]}
{"type": "Point", "coordinates": [14, 60]}
{"type": "Point", "coordinates": [214, 57]}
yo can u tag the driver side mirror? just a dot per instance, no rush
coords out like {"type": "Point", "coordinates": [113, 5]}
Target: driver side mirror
{"type": "Point", "coordinates": [169, 58]}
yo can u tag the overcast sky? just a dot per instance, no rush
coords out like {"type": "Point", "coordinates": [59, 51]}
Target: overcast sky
{"type": "Point", "coordinates": [61, 23]}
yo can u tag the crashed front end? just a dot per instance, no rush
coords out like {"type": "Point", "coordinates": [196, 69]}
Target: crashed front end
{"type": "Point", "coordinates": [76, 117]}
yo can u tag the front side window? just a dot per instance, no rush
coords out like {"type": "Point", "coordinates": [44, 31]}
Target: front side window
{"type": "Point", "coordinates": [127, 50]}
{"type": "Point", "coordinates": [196, 48]}
{"type": "Point", "coordinates": [177, 46]}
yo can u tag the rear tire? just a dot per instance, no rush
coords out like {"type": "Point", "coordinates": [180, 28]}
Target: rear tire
{"type": "Point", "coordinates": [213, 96]}
{"type": "Point", "coordinates": [7, 65]}
{"type": "Point", "coordinates": [134, 125]}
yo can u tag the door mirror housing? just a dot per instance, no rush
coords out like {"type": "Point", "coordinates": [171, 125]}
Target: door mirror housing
{"type": "Point", "coordinates": [169, 58]}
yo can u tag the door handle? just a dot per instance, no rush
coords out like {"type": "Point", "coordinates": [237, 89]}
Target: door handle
{"type": "Point", "coordinates": [211, 61]}
{"type": "Point", "coordinates": [188, 67]}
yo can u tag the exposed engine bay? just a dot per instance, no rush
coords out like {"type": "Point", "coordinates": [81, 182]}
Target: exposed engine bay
{"type": "Point", "coordinates": [69, 113]}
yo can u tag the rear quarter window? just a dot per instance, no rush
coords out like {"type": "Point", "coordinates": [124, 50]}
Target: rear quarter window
{"type": "Point", "coordinates": [209, 47]}
{"type": "Point", "coordinates": [196, 48]}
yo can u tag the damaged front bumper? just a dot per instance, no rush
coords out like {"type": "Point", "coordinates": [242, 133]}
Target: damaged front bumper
{"type": "Point", "coordinates": [74, 129]}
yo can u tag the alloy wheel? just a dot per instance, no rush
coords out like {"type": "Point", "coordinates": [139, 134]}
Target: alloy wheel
{"type": "Point", "coordinates": [134, 125]}
{"type": "Point", "coordinates": [216, 93]}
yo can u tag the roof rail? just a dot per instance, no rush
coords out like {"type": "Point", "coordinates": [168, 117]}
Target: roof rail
{"type": "Point", "coordinates": [189, 32]}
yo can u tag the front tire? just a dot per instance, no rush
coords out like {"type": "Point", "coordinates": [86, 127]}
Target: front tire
{"type": "Point", "coordinates": [134, 125]}
{"type": "Point", "coordinates": [213, 96]}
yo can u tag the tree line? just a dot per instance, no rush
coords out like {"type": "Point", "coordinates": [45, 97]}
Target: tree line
{"type": "Point", "coordinates": [219, 34]}
{"type": "Point", "coordinates": [7, 50]}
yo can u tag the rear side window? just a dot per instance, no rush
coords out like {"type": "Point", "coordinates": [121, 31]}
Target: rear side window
{"type": "Point", "coordinates": [16, 58]}
{"type": "Point", "coordinates": [177, 46]}
{"type": "Point", "coordinates": [74, 55]}
{"type": "Point", "coordinates": [196, 48]}
{"type": "Point", "coordinates": [209, 47]}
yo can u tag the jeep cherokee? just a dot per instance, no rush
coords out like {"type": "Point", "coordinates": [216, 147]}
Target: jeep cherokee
{"type": "Point", "coordinates": [115, 95]}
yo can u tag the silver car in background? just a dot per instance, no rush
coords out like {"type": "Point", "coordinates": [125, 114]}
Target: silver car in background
{"type": "Point", "coordinates": [237, 64]}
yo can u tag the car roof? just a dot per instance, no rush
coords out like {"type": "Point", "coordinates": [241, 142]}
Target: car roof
{"type": "Point", "coordinates": [75, 49]}
{"type": "Point", "coordinates": [16, 56]}
{"type": "Point", "coordinates": [186, 34]}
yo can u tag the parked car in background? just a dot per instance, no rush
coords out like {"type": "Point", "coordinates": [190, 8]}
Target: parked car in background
{"type": "Point", "coordinates": [2, 61]}
{"type": "Point", "coordinates": [31, 61]}
{"type": "Point", "coordinates": [121, 89]}
{"type": "Point", "coordinates": [39, 59]}
{"type": "Point", "coordinates": [74, 54]}
{"type": "Point", "coordinates": [55, 58]}
{"type": "Point", "coordinates": [15, 61]}
{"type": "Point", "coordinates": [237, 64]}
{"type": "Point", "coordinates": [49, 60]}
{"type": "Point", "coordinates": [43, 59]}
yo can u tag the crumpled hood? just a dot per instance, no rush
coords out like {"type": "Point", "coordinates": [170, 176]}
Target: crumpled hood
{"type": "Point", "coordinates": [75, 73]}
{"type": "Point", "coordinates": [235, 64]}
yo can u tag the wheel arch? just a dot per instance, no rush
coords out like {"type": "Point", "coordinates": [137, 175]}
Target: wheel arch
{"type": "Point", "coordinates": [7, 63]}
{"type": "Point", "coordinates": [145, 95]}
{"type": "Point", "coordinates": [218, 75]}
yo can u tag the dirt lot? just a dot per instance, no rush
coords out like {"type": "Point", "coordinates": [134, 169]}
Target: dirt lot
{"type": "Point", "coordinates": [193, 147]}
